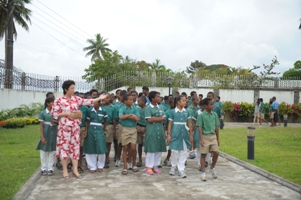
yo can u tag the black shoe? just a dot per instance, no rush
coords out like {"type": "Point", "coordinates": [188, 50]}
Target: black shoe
{"type": "Point", "coordinates": [107, 164]}
{"type": "Point", "coordinates": [206, 164]}
{"type": "Point", "coordinates": [44, 173]}
{"type": "Point", "coordinates": [59, 166]}
{"type": "Point", "coordinates": [50, 173]}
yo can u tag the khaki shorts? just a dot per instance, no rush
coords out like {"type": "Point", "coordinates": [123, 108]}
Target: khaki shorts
{"type": "Point", "coordinates": [271, 115]}
{"type": "Point", "coordinates": [210, 144]}
{"type": "Point", "coordinates": [128, 135]}
{"type": "Point", "coordinates": [118, 133]}
{"type": "Point", "coordinates": [261, 116]}
{"type": "Point", "coordinates": [109, 133]}
{"type": "Point", "coordinates": [82, 139]}
{"type": "Point", "coordinates": [140, 134]}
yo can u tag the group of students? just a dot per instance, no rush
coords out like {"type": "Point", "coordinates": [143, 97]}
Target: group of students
{"type": "Point", "coordinates": [260, 111]}
{"type": "Point", "coordinates": [135, 120]}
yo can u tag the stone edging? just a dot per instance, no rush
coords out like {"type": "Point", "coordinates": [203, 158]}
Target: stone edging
{"type": "Point", "coordinates": [262, 172]}
{"type": "Point", "coordinates": [28, 186]}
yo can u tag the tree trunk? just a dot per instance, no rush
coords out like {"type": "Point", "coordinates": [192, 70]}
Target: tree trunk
{"type": "Point", "coordinates": [9, 44]}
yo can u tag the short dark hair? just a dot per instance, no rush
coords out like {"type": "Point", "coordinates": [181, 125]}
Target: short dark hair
{"type": "Point", "coordinates": [201, 103]}
{"type": "Point", "coordinates": [192, 93]}
{"type": "Point", "coordinates": [117, 91]}
{"type": "Point", "coordinates": [48, 93]}
{"type": "Point", "coordinates": [178, 98]}
{"type": "Point", "coordinates": [123, 92]}
{"type": "Point", "coordinates": [126, 97]}
{"type": "Point", "coordinates": [93, 90]}
{"type": "Point", "coordinates": [129, 89]}
{"type": "Point", "coordinates": [134, 92]}
{"type": "Point", "coordinates": [218, 97]}
{"type": "Point", "coordinates": [152, 95]}
{"type": "Point", "coordinates": [48, 100]}
{"type": "Point", "coordinates": [206, 101]}
{"type": "Point", "coordinates": [166, 97]}
{"type": "Point", "coordinates": [184, 93]}
{"type": "Point", "coordinates": [143, 98]}
{"type": "Point", "coordinates": [140, 94]}
{"type": "Point", "coordinates": [177, 93]}
{"type": "Point", "coordinates": [145, 88]}
{"type": "Point", "coordinates": [211, 93]}
{"type": "Point", "coordinates": [67, 84]}
{"type": "Point", "coordinates": [200, 95]}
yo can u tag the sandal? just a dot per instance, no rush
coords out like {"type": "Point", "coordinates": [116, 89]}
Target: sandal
{"type": "Point", "coordinates": [139, 164]}
{"type": "Point", "coordinates": [66, 177]}
{"type": "Point", "coordinates": [69, 167]}
{"type": "Point", "coordinates": [124, 172]}
{"type": "Point", "coordinates": [77, 176]}
{"type": "Point", "coordinates": [92, 171]}
{"type": "Point", "coordinates": [135, 169]}
{"type": "Point", "coordinates": [80, 170]}
{"type": "Point", "coordinates": [100, 170]}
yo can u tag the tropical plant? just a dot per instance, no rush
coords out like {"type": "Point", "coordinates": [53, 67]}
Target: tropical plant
{"type": "Point", "coordinates": [21, 15]}
{"type": "Point", "coordinates": [97, 48]}
{"type": "Point", "coordinates": [23, 110]}
{"type": "Point", "coordinates": [157, 66]}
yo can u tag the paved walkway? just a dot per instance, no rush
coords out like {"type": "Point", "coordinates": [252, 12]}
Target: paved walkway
{"type": "Point", "coordinates": [233, 182]}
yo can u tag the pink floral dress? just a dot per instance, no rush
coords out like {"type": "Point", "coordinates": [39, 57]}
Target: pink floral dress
{"type": "Point", "coordinates": [68, 135]}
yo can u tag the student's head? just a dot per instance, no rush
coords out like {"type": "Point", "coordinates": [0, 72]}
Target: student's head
{"type": "Point", "coordinates": [50, 94]}
{"type": "Point", "coordinates": [202, 105]}
{"type": "Point", "coordinates": [261, 99]}
{"type": "Point", "coordinates": [97, 103]}
{"type": "Point", "coordinates": [166, 99]}
{"type": "Point", "coordinates": [76, 93]}
{"type": "Point", "coordinates": [184, 94]}
{"type": "Point", "coordinates": [180, 101]}
{"type": "Point", "coordinates": [68, 87]}
{"type": "Point", "coordinates": [208, 104]}
{"type": "Point", "coordinates": [141, 94]}
{"type": "Point", "coordinates": [118, 93]}
{"type": "Point", "coordinates": [145, 90]}
{"type": "Point", "coordinates": [49, 102]}
{"type": "Point", "coordinates": [210, 95]}
{"type": "Point", "coordinates": [218, 98]}
{"type": "Point", "coordinates": [200, 96]}
{"type": "Point", "coordinates": [189, 97]}
{"type": "Point", "coordinates": [172, 103]}
{"type": "Point", "coordinates": [134, 95]}
{"type": "Point", "coordinates": [129, 90]}
{"type": "Point", "coordinates": [122, 93]}
{"type": "Point", "coordinates": [177, 94]}
{"type": "Point", "coordinates": [170, 96]}
{"type": "Point", "coordinates": [127, 100]}
{"type": "Point", "coordinates": [273, 98]}
{"type": "Point", "coordinates": [141, 101]}
{"type": "Point", "coordinates": [154, 97]}
{"type": "Point", "coordinates": [193, 93]}
{"type": "Point", "coordinates": [108, 99]}
{"type": "Point", "coordinates": [81, 95]}
{"type": "Point", "coordinates": [195, 100]}
{"type": "Point", "coordinates": [112, 96]}
{"type": "Point", "coordinates": [94, 93]}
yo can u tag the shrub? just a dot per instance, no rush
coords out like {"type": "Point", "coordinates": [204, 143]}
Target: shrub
{"type": "Point", "coordinates": [18, 122]}
{"type": "Point", "coordinates": [22, 111]}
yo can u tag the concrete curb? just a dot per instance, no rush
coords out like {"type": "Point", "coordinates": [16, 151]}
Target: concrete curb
{"type": "Point", "coordinates": [26, 189]}
{"type": "Point", "coordinates": [264, 173]}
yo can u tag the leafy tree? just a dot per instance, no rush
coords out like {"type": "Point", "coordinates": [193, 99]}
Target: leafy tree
{"type": "Point", "coordinates": [294, 73]}
{"type": "Point", "coordinates": [156, 66]}
{"type": "Point", "coordinates": [142, 65]}
{"type": "Point", "coordinates": [21, 15]}
{"type": "Point", "coordinates": [194, 66]}
{"type": "Point", "coordinates": [97, 48]}
{"type": "Point", "coordinates": [297, 64]}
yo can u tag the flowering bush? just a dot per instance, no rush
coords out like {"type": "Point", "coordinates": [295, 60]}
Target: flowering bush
{"type": "Point", "coordinates": [18, 122]}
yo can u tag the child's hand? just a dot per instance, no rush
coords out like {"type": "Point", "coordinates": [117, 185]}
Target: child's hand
{"type": "Point", "coordinates": [202, 143]}
{"type": "Point", "coordinates": [43, 140]}
{"type": "Point", "coordinates": [85, 134]}
{"type": "Point", "coordinates": [168, 139]}
{"type": "Point", "coordinates": [218, 142]}
{"type": "Point", "coordinates": [53, 122]}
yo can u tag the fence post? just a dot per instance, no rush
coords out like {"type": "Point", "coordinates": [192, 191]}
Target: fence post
{"type": "Point", "coordinates": [23, 81]}
{"type": "Point", "coordinates": [296, 96]}
{"type": "Point", "coordinates": [8, 81]}
{"type": "Point", "coordinates": [276, 84]}
{"type": "Point", "coordinates": [56, 83]}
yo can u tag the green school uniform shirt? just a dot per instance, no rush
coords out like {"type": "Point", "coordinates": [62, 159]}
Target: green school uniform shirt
{"type": "Point", "coordinates": [262, 108]}
{"type": "Point", "coordinates": [217, 108]}
{"type": "Point", "coordinates": [208, 121]}
{"type": "Point", "coordinates": [142, 116]}
{"type": "Point", "coordinates": [111, 112]}
{"type": "Point", "coordinates": [196, 135]}
{"type": "Point", "coordinates": [154, 136]}
{"type": "Point", "coordinates": [179, 131]}
{"type": "Point", "coordinates": [85, 111]}
{"type": "Point", "coordinates": [118, 105]}
{"type": "Point", "coordinates": [95, 142]}
{"type": "Point", "coordinates": [49, 133]}
{"type": "Point", "coordinates": [124, 110]}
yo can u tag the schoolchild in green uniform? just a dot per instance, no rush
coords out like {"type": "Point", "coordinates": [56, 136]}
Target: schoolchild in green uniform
{"type": "Point", "coordinates": [95, 146]}
{"type": "Point", "coordinates": [192, 109]}
{"type": "Point", "coordinates": [141, 127]}
{"type": "Point", "coordinates": [47, 142]}
{"type": "Point", "coordinates": [208, 123]}
{"type": "Point", "coordinates": [134, 95]}
{"type": "Point", "coordinates": [110, 130]}
{"type": "Point", "coordinates": [154, 138]}
{"type": "Point", "coordinates": [83, 132]}
{"type": "Point", "coordinates": [129, 116]}
{"type": "Point", "coordinates": [167, 113]}
{"type": "Point", "coordinates": [179, 135]}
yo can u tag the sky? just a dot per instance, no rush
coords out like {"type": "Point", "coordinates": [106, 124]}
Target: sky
{"type": "Point", "coordinates": [233, 32]}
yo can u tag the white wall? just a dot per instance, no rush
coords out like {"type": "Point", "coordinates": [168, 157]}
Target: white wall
{"type": "Point", "coordinates": [237, 95]}
{"type": "Point", "coordinates": [281, 96]}
{"type": "Point", "coordinates": [13, 98]}
{"type": "Point", "coordinates": [198, 91]}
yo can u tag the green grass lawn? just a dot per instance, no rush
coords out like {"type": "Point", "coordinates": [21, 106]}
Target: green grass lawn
{"type": "Point", "coordinates": [277, 149]}
{"type": "Point", "coordinates": [18, 158]}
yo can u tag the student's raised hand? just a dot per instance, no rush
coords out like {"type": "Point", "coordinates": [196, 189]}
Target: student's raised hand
{"type": "Point", "coordinates": [103, 96]}
{"type": "Point", "coordinates": [43, 140]}
{"type": "Point", "coordinates": [202, 143]}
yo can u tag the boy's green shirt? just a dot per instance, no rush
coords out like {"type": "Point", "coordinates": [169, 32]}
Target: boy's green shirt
{"type": "Point", "coordinates": [208, 122]}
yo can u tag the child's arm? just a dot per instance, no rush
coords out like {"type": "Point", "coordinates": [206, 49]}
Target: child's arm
{"type": "Point", "coordinates": [114, 126]}
{"type": "Point", "coordinates": [201, 136]}
{"type": "Point", "coordinates": [43, 140]}
{"type": "Point", "coordinates": [104, 123]}
{"type": "Point", "coordinates": [190, 131]}
{"type": "Point", "coordinates": [154, 119]}
{"type": "Point", "coordinates": [217, 134]}
{"type": "Point", "coordinates": [169, 131]}
{"type": "Point", "coordinates": [123, 117]}
{"type": "Point", "coordinates": [87, 127]}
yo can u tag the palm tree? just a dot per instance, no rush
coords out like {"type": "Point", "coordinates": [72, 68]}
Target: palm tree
{"type": "Point", "coordinates": [21, 16]}
{"type": "Point", "coordinates": [156, 66]}
{"type": "Point", "coordinates": [97, 47]}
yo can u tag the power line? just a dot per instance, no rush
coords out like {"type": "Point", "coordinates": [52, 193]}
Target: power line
{"type": "Point", "coordinates": [57, 39]}
{"type": "Point", "coordinates": [64, 19]}
{"type": "Point", "coordinates": [57, 25]}
{"type": "Point", "coordinates": [58, 31]}
{"type": "Point", "coordinates": [57, 20]}
{"type": "Point", "coordinates": [51, 53]}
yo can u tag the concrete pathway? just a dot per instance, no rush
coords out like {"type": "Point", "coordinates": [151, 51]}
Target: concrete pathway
{"type": "Point", "coordinates": [233, 182]}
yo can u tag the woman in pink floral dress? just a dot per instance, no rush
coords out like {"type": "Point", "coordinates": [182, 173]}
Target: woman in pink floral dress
{"type": "Point", "coordinates": [65, 110]}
